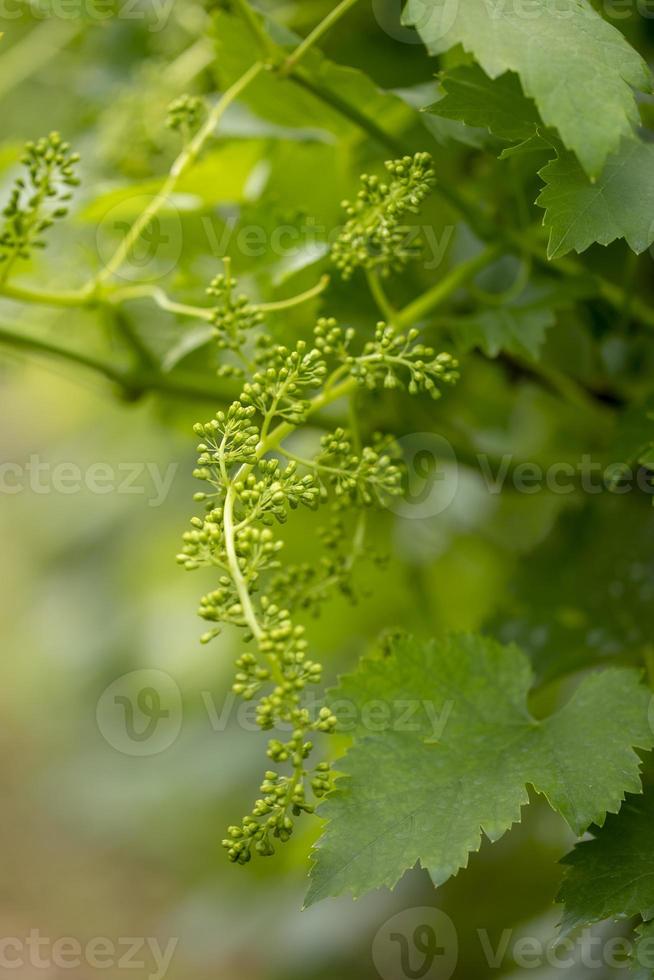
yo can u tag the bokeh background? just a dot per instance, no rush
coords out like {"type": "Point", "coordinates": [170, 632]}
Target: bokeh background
{"type": "Point", "coordinates": [97, 839]}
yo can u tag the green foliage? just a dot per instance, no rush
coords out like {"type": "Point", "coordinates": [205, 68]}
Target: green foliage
{"type": "Point", "coordinates": [570, 41]}
{"type": "Point", "coordinates": [497, 104]}
{"type": "Point", "coordinates": [611, 875]}
{"type": "Point", "coordinates": [461, 763]}
{"type": "Point", "coordinates": [417, 330]}
{"type": "Point", "coordinates": [552, 614]}
{"type": "Point", "coordinates": [249, 491]}
{"type": "Point", "coordinates": [617, 205]}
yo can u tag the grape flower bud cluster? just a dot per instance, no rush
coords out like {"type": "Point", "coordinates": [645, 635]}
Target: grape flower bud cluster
{"type": "Point", "coordinates": [253, 481]}
{"type": "Point", "coordinates": [375, 236]}
{"type": "Point", "coordinates": [39, 198]}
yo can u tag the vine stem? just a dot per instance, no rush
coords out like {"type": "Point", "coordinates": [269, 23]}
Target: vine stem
{"type": "Point", "coordinates": [16, 339]}
{"type": "Point", "coordinates": [315, 35]}
{"type": "Point", "coordinates": [185, 159]}
{"type": "Point", "coordinates": [260, 35]}
{"type": "Point", "coordinates": [85, 296]}
{"type": "Point", "coordinates": [233, 562]}
{"type": "Point", "coordinates": [89, 296]}
{"type": "Point", "coordinates": [285, 304]}
{"type": "Point", "coordinates": [131, 381]}
{"type": "Point", "coordinates": [162, 299]}
{"type": "Point", "coordinates": [267, 443]}
{"type": "Point", "coordinates": [444, 288]}
{"type": "Point", "coordinates": [379, 296]}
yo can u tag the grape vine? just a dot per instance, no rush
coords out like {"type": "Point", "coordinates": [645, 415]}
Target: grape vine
{"type": "Point", "coordinates": [250, 490]}
{"type": "Point", "coordinates": [470, 253]}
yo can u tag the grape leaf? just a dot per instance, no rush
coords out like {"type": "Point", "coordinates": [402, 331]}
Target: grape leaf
{"type": "Point", "coordinates": [497, 104]}
{"type": "Point", "coordinates": [457, 753]}
{"type": "Point", "coordinates": [519, 325]}
{"type": "Point", "coordinates": [620, 204]}
{"type": "Point", "coordinates": [518, 330]}
{"type": "Point", "coordinates": [444, 130]}
{"type": "Point", "coordinates": [612, 875]}
{"type": "Point", "coordinates": [578, 69]}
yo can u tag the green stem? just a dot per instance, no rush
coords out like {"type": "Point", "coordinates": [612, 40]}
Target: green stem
{"type": "Point", "coordinates": [569, 389]}
{"type": "Point", "coordinates": [379, 296]}
{"type": "Point", "coordinates": [47, 297]}
{"type": "Point", "coordinates": [268, 442]}
{"type": "Point", "coordinates": [443, 289]}
{"type": "Point", "coordinates": [325, 24]}
{"type": "Point", "coordinates": [308, 82]}
{"type": "Point", "coordinates": [89, 296]}
{"type": "Point", "coordinates": [133, 381]}
{"type": "Point", "coordinates": [161, 298]}
{"type": "Point", "coordinates": [286, 304]}
{"type": "Point", "coordinates": [238, 579]}
{"type": "Point", "coordinates": [260, 35]}
{"type": "Point", "coordinates": [186, 158]}
{"type": "Point", "coordinates": [123, 326]}
{"type": "Point", "coordinates": [19, 340]}
{"type": "Point", "coordinates": [330, 394]}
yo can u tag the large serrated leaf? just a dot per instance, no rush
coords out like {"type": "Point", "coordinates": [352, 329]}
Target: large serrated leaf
{"type": "Point", "coordinates": [579, 69]}
{"type": "Point", "coordinates": [458, 763]}
{"type": "Point", "coordinates": [620, 204]}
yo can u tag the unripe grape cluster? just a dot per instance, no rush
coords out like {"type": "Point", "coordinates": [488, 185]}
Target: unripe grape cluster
{"type": "Point", "coordinates": [39, 198]}
{"type": "Point", "coordinates": [252, 481]}
{"type": "Point", "coordinates": [374, 235]}
{"type": "Point", "coordinates": [184, 114]}
{"type": "Point", "coordinates": [392, 359]}
{"type": "Point", "coordinates": [234, 317]}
